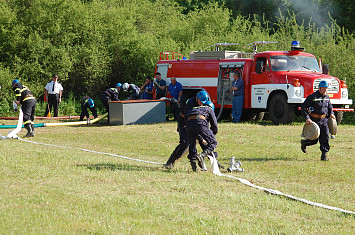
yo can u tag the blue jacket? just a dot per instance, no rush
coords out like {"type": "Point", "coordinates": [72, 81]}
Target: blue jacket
{"type": "Point", "coordinates": [149, 88]}
{"type": "Point", "coordinates": [318, 104]}
{"type": "Point", "coordinates": [208, 113]}
{"type": "Point", "coordinates": [240, 85]}
{"type": "Point", "coordinates": [174, 90]}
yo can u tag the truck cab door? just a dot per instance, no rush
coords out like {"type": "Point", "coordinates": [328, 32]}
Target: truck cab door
{"type": "Point", "coordinates": [261, 72]}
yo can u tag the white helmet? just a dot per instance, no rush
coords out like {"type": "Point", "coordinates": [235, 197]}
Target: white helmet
{"type": "Point", "coordinates": [125, 86]}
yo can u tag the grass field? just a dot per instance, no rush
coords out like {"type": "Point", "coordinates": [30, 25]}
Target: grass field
{"type": "Point", "coordinates": [54, 191]}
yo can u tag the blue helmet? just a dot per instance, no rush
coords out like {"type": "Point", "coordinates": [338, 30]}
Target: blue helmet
{"type": "Point", "coordinates": [15, 81]}
{"type": "Point", "coordinates": [210, 104]}
{"type": "Point", "coordinates": [323, 84]}
{"type": "Point", "coordinates": [119, 85]}
{"type": "Point", "coordinates": [91, 103]}
{"type": "Point", "coordinates": [202, 96]}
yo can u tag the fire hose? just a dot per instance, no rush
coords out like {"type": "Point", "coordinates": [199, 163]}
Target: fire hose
{"type": "Point", "coordinates": [214, 166]}
{"type": "Point", "coordinates": [88, 122]}
{"type": "Point", "coordinates": [222, 104]}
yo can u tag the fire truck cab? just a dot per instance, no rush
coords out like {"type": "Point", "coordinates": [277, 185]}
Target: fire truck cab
{"type": "Point", "coordinates": [274, 81]}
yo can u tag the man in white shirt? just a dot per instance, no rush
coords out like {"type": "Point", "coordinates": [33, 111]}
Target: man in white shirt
{"type": "Point", "coordinates": [54, 93]}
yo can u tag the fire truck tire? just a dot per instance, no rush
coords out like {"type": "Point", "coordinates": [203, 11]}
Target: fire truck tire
{"type": "Point", "coordinates": [339, 116]}
{"type": "Point", "coordinates": [280, 111]}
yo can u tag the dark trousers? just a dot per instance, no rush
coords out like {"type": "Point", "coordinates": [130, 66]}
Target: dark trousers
{"type": "Point", "coordinates": [28, 109]}
{"type": "Point", "coordinates": [105, 99]}
{"type": "Point", "coordinates": [85, 113]}
{"type": "Point", "coordinates": [53, 101]}
{"type": "Point", "coordinates": [184, 145]}
{"type": "Point", "coordinates": [196, 129]}
{"type": "Point", "coordinates": [323, 138]}
{"type": "Point", "coordinates": [175, 110]}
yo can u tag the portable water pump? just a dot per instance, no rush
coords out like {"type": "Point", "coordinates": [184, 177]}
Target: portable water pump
{"type": "Point", "coordinates": [235, 165]}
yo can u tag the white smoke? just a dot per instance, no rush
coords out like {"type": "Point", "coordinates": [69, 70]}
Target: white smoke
{"type": "Point", "coordinates": [310, 11]}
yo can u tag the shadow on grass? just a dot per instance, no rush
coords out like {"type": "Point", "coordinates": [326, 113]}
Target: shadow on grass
{"type": "Point", "coordinates": [121, 167]}
{"type": "Point", "coordinates": [267, 159]}
{"type": "Point", "coordinates": [124, 167]}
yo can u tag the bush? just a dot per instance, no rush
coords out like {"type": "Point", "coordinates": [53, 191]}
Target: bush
{"type": "Point", "coordinates": [94, 44]}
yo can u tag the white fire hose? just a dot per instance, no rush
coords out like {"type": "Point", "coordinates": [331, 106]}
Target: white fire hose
{"type": "Point", "coordinates": [214, 165]}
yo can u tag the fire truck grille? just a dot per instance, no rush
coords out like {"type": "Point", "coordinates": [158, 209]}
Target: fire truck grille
{"type": "Point", "coordinates": [333, 84]}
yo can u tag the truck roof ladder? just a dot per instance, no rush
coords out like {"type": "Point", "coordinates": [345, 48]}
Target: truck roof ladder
{"type": "Point", "coordinates": [170, 55]}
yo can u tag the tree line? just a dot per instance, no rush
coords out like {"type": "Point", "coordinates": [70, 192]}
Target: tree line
{"type": "Point", "coordinates": [321, 12]}
{"type": "Point", "coordinates": [93, 44]}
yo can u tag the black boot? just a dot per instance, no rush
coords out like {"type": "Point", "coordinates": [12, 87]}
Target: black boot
{"type": "Point", "coordinates": [170, 163]}
{"type": "Point", "coordinates": [33, 129]}
{"type": "Point", "coordinates": [193, 166]}
{"type": "Point", "coordinates": [29, 131]}
{"type": "Point", "coordinates": [324, 156]}
{"type": "Point", "coordinates": [303, 146]}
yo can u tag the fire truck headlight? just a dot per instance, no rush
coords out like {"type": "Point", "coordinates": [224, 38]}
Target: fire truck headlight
{"type": "Point", "coordinates": [344, 94]}
{"type": "Point", "coordinates": [298, 93]}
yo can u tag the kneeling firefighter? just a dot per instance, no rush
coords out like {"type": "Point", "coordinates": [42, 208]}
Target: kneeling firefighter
{"type": "Point", "coordinates": [28, 102]}
{"type": "Point", "coordinates": [86, 103]}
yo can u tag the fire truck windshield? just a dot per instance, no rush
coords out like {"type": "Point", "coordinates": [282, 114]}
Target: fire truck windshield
{"type": "Point", "coordinates": [294, 63]}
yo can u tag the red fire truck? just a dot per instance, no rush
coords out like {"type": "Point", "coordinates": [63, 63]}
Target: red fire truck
{"type": "Point", "coordinates": [275, 81]}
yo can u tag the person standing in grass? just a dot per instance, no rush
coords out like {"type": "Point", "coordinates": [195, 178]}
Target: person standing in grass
{"type": "Point", "coordinates": [175, 90]}
{"type": "Point", "coordinates": [54, 93]}
{"type": "Point", "coordinates": [28, 105]}
{"type": "Point", "coordinates": [238, 96]}
{"type": "Point", "coordinates": [317, 108]}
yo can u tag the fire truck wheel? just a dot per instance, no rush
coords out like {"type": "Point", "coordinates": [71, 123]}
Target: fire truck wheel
{"type": "Point", "coordinates": [339, 116]}
{"type": "Point", "coordinates": [280, 111]}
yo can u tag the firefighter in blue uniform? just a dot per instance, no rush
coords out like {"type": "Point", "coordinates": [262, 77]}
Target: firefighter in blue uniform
{"type": "Point", "coordinates": [317, 108]}
{"type": "Point", "coordinates": [86, 103]}
{"type": "Point", "coordinates": [28, 106]}
{"type": "Point", "coordinates": [198, 117]}
{"type": "Point", "coordinates": [184, 141]}
{"type": "Point", "coordinates": [133, 90]}
{"type": "Point", "coordinates": [198, 120]}
{"type": "Point", "coordinates": [110, 94]}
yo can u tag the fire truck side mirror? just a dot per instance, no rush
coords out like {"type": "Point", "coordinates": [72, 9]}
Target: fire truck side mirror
{"type": "Point", "coordinates": [325, 69]}
{"type": "Point", "coordinates": [258, 66]}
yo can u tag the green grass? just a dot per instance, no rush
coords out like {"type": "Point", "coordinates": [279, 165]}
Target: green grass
{"type": "Point", "coordinates": [53, 190]}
